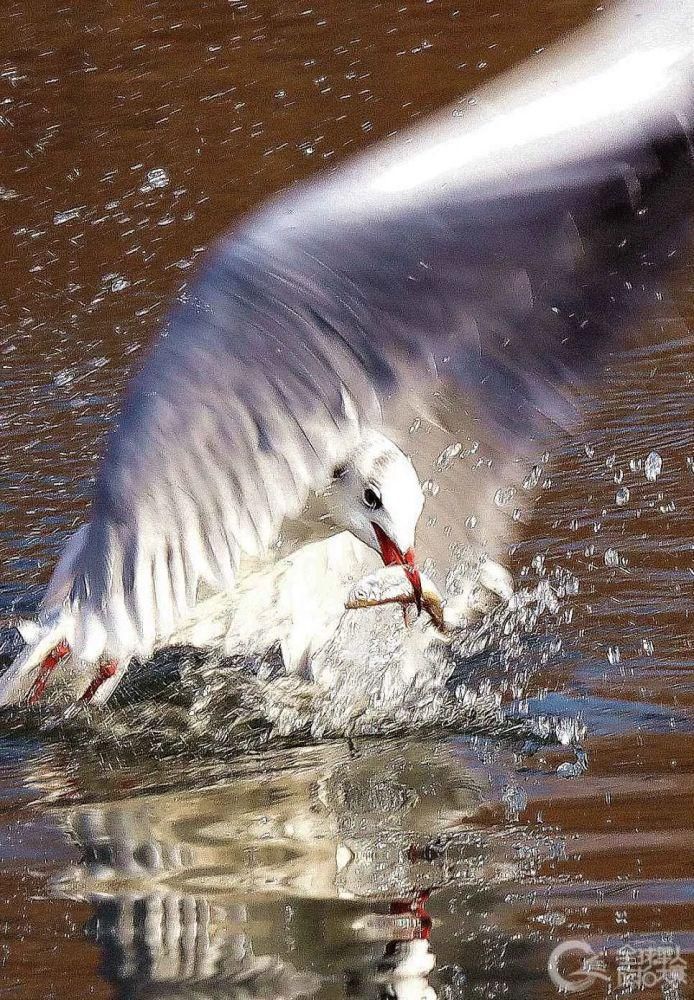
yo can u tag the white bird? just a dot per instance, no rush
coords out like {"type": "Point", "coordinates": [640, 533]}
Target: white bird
{"type": "Point", "coordinates": [492, 255]}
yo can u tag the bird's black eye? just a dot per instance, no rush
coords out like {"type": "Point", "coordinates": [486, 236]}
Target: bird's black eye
{"type": "Point", "coordinates": [372, 499]}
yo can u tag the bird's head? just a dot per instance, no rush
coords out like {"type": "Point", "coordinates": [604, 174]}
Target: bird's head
{"type": "Point", "coordinates": [377, 496]}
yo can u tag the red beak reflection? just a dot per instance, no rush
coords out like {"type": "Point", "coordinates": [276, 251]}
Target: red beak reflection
{"type": "Point", "coordinates": [392, 556]}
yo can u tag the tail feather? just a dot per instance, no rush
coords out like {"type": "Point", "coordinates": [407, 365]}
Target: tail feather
{"type": "Point", "coordinates": [63, 576]}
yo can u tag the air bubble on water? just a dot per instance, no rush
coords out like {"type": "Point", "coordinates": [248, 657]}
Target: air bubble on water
{"type": "Point", "coordinates": [430, 488]}
{"type": "Point", "coordinates": [612, 558]}
{"type": "Point", "coordinates": [503, 496]}
{"type": "Point", "coordinates": [622, 496]}
{"type": "Point", "coordinates": [653, 466]}
{"type": "Point", "coordinates": [533, 478]}
{"type": "Point", "coordinates": [647, 647]}
{"type": "Point", "coordinates": [447, 456]}
{"type": "Point", "coordinates": [157, 177]}
{"type": "Point", "coordinates": [613, 654]}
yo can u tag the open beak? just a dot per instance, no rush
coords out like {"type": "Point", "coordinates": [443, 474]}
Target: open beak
{"type": "Point", "coordinates": [393, 556]}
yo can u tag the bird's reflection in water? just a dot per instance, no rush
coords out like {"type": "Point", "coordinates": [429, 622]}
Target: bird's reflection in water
{"type": "Point", "coordinates": [315, 877]}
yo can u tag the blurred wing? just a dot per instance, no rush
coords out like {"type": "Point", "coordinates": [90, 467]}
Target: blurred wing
{"type": "Point", "coordinates": [500, 248]}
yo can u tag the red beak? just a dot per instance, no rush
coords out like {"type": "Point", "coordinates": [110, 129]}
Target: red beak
{"type": "Point", "coordinates": [392, 556]}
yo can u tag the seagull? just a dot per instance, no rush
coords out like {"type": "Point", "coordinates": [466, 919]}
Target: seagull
{"type": "Point", "coordinates": [493, 255]}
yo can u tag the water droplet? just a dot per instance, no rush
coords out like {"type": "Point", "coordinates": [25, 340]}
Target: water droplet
{"type": "Point", "coordinates": [447, 456]}
{"type": "Point", "coordinates": [612, 558]}
{"type": "Point", "coordinates": [555, 919]}
{"type": "Point", "coordinates": [64, 377]}
{"type": "Point", "coordinates": [647, 647]}
{"type": "Point", "coordinates": [470, 521]}
{"type": "Point", "coordinates": [416, 424]}
{"type": "Point", "coordinates": [570, 769]}
{"type": "Point", "coordinates": [613, 654]}
{"type": "Point", "coordinates": [502, 496]}
{"type": "Point", "coordinates": [622, 496]}
{"type": "Point", "coordinates": [67, 216]}
{"type": "Point", "coordinates": [653, 466]}
{"type": "Point", "coordinates": [157, 177]}
{"type": "Point", "coordinates": [515, 800]}
{"type": "Point", "coordinates": [430, 488]}
{"type": "Point", "coordinates": [589, 450]}
{"type": "Point", "coordinates": [533, 478]}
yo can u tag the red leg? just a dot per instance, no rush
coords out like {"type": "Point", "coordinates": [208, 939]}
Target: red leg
{"type": "Point", "coordinates": [106, 671]}
{"type": "Point", "coordinates": [418, 908]}
{"type": "Point", "coordinates": [56, 656]}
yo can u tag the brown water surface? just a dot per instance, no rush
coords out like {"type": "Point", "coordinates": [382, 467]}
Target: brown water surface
{"type": "Point", "coordinates": [131, 134]}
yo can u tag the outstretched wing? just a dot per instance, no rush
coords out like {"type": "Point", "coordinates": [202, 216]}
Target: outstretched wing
{"type": "Point", "coordinates": [501, 247]}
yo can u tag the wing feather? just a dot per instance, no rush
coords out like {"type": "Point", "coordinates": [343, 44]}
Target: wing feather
{"type": "Point", "coordinates": [503, 252]}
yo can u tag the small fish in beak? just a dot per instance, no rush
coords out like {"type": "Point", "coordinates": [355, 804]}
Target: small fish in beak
{"type": "Point", "coordinates": [393, 556]}
{"type": "Point", "coordinates": [391, 585]}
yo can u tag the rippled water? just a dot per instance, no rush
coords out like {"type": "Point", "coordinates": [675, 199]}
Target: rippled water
{"type": "Point", "coordinates": [451, 858]}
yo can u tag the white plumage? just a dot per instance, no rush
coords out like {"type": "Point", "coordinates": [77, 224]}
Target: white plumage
{"type": "Point", "coordinates": [493, 256]}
